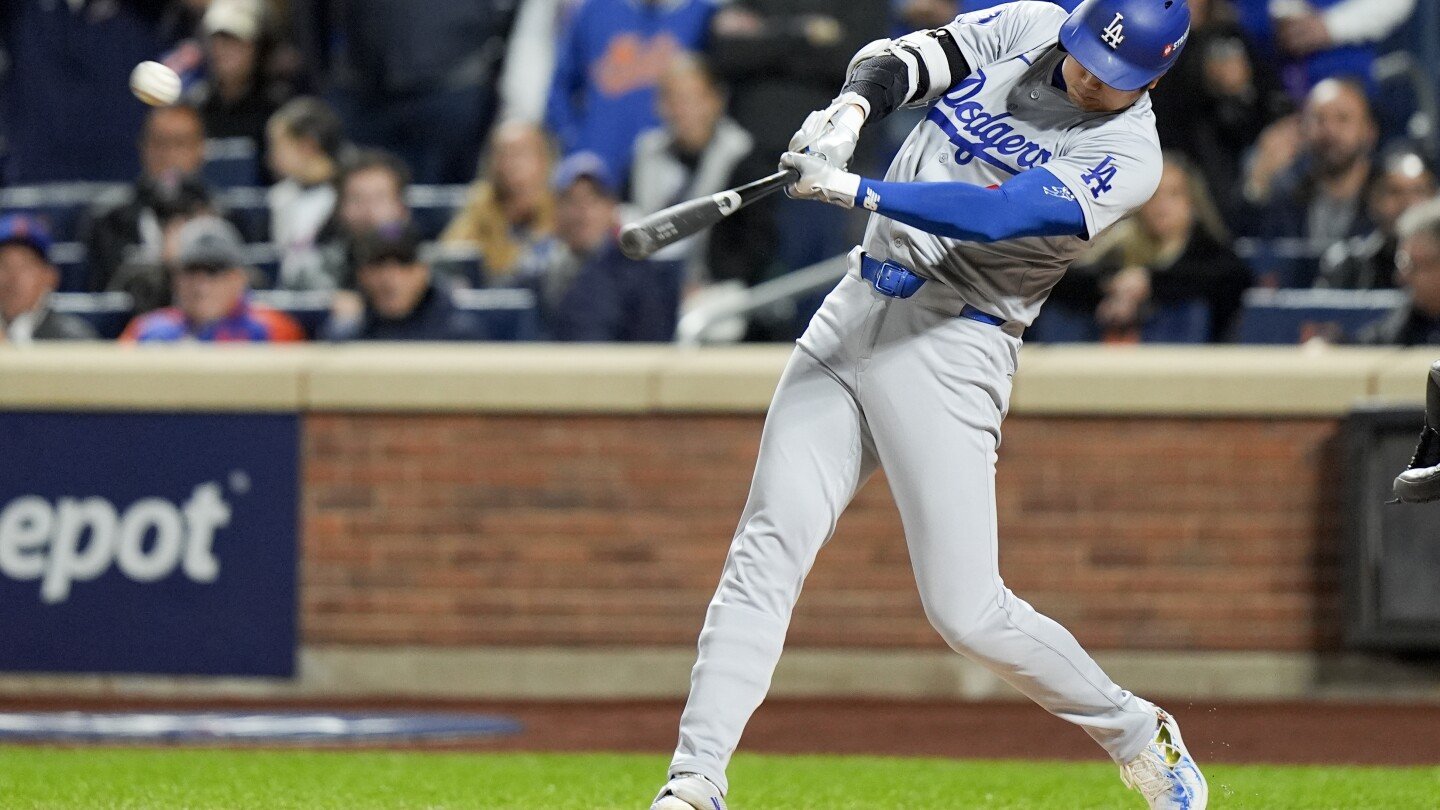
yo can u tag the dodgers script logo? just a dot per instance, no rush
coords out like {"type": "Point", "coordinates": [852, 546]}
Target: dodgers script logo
{"type": "Point", "coordinates": [979, 133]}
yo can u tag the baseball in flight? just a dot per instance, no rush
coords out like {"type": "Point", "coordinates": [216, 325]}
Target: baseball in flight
{"type": "Point", "coordinates": [155, 84]}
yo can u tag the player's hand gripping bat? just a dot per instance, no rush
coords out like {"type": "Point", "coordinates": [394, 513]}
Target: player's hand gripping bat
{"type": "Point", "coordinates": [639, 240]}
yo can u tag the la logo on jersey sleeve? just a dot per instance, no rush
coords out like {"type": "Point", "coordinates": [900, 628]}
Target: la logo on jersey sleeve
{"type": "Point", "coordinates": [1100, 178]}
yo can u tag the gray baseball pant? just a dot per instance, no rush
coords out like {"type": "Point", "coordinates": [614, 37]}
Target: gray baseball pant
{"type": "Point", "coordinates": [908, 385]}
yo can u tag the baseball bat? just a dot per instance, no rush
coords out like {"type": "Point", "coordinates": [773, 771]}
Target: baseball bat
{"type": "Point", "coordinates": [639, 240]}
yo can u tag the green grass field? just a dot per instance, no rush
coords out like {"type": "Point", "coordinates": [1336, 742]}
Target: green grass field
{"type": "Point", "coordinates": [102, 779]}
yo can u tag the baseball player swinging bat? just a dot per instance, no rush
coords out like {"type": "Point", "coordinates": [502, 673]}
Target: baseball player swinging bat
{"type": "Point", "coordinates": [640, 240]}
{"type": "Point", "coordinates": [1037, 136]}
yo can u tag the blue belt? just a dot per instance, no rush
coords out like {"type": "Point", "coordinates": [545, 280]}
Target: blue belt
{"type": "Point", "coordinates": [897, 281]}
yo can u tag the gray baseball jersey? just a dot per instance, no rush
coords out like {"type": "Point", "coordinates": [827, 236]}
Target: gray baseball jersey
{"type": "Point", "coordinates": [1007, 117]}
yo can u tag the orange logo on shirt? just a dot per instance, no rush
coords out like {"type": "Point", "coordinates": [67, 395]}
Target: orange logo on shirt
{"type": "Point", "coordinates": [632, 63]}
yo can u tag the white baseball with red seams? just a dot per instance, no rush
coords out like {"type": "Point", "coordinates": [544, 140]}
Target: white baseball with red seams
{"type": "Point", "coordinates": [907, 384]}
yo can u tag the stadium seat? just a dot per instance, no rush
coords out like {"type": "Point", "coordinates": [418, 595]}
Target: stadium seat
{"type": "Point", "coordinates": [509, 314]}
{"type": "Point", "coordinates": [107, 313]}
{"type": "Point", "coordinates": [309, 308]}
{"type": "Point", "coordinates": [62, 206]}
{"type": "Point", "coordinates": [432, 207]}
{"type": "Point", "coordinates": [1293, 316]}
{"type": "Point", "coordinates": [1059, 323]}
{"type": "Point", "coordinates": [232, 162]}
{"type": "Point", "coordinates": [1184, 322]}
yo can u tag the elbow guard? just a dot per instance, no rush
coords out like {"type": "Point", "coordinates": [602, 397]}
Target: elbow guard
{"type": "Point", "coordinates": [931, 60]}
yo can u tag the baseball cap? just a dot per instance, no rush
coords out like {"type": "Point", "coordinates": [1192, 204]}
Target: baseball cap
{"type": "Point", "coordinates": [238, 18]}
{"type": "Point", "coordinates": [210, 243]}
{"type": "Point", "coordinates": [584, 165]}
{"type": "Point", "coordinates": [397, 244]}
{"type": "Point", "coordinates": [23, 229]}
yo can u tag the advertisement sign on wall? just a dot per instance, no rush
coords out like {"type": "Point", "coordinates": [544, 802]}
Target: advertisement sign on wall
{"type": "Point", "coordinates": [148, 543]}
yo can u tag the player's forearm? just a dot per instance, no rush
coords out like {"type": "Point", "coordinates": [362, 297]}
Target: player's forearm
{"type": "Point", "coordinates": [1019, 208]}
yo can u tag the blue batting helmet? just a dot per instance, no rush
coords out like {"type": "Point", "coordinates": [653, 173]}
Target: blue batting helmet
{"type": "Point", "coordinates": [1127, 44]}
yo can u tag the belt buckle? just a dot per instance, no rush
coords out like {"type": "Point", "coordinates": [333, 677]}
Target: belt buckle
{"type": "Point", "coordinates": [888, 278]}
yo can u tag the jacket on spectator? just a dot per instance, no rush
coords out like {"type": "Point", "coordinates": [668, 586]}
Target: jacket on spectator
{"type": "Point", "coordinates": [602, 297]}
{"type": "Point", "coordinates": [112, 234]}
{"type": "Point", "coordinates": [435, 318]}
{"type": "Point", "coordinates": [389, 47]}
{"type": "Point", "coordinates": [780, 74]}
{"type": "Point", "coordinates": [1360, 263]}
{"type": "Point", "coordinates": [1404, 327]}
{"type": "Point", "coordinates": [1364, 23]}
{"type": "Point", "coordinates": [46, 324]}
{"type": "Point", "coordinates": [607, 67]}
{"type": "Point", "coordinates": [1206, 270]}
{"type": "Point", "coordinates": [662, 177]}
{"type": "Point", "coordinates": [1295, 210]}
{"type": "Point", "coordinates": [1215, 129]}
{"type": "Point", "coordinates": [247, 323]}
{"type": "Point", "coordinates": [68, 108]}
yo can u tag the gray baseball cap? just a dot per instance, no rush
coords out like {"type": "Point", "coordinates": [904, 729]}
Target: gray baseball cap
{"type": "Point", "coordinates": [210, 242]}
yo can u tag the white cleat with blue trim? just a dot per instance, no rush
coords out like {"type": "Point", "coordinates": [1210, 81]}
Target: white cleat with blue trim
{"type": "Point", "coordinates": [689, 791]}
{"type": "Point", "coordinates": [1165, 774]}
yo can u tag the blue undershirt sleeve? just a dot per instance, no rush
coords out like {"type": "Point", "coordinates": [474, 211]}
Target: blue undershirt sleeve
{"type": "Point", "coordinates": [1033, 203]}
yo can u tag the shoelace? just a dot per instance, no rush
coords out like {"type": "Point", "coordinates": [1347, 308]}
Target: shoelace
{"type": "Point", "coordinates": [1427, 452]}
{"type": "Point", "coordinates": [1150, 775]}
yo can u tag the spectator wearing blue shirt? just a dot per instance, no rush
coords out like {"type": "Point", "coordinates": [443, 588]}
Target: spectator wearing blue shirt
{"type": "Point", "coordinates": [588, 290]}
{"type": "Point", "coordinates": [607, 68]}
{"type": "Point", "coordinates": [1310, 41]}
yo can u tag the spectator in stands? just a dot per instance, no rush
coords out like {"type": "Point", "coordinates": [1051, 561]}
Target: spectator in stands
{"type": "Point", "coordinates": [694, 155]}
{"type": "Point", "coordinates": [1308, 176]}
{"type": "Point", "coordinates": [69, 112]}
{"type": "Point", "coordinates": [416, 78]}
{"type": "Point", "coordinates": [306, 140]}
{"type": "Point", "coordinates": [236, 97]}
{"type": "Point", "coordinates": [172, 153]}
{"type": "Point", "coordinates": [511, 206]}
{"type": "Point", "coordinates": [1367, 262]}
{"type": "Point", "coordinates": [1175, 250]}
{"type": "Point", "coordinates": [27, 278]}
{"type": "Point", "coordinates": [1417, 322]}
{"type": "Point", "coordinates": [1314, 40]}
{"type": "Point", "coordinates": [588, 290]}
{"type": "Point", "coordinates": [1216, 100]}
{"type": "Point", "coordinates": [146, 274]}
{"type": "Point", "coordinates": [402, 299]}
{"type": "Point", "coordinates": [210, 286]}
{"type": "Point", "coordinates": [372, 185]}
{"type": "Point", "coordinates": [607, 67]}
{"type": "Point", "coordinates": [781, 59]}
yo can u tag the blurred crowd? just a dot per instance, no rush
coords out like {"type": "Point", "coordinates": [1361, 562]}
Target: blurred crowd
{"type": "Point", "coordinates": [390, 158]}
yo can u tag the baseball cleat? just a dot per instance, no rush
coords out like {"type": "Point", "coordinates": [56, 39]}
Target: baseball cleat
{"type": "Point", "coordinates": [689, 791]}
{"type": "Point", "coordinates": [1164, 773]}
{"type": "Point", "coordinates": [1421, 480]}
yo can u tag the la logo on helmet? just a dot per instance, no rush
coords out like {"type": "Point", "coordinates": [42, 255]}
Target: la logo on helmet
{"type": "Point", "coordinates": [1114, 33]}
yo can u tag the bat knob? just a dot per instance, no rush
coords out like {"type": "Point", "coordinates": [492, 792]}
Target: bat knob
{"type": "Point", "coordinates": [636, 242]}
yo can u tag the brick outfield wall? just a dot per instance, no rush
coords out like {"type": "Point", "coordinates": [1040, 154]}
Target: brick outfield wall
{"type": "Point", "coordinates": [1136, 533]}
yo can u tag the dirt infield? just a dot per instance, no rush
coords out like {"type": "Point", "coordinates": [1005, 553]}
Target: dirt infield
{"type": "Point", "coordinates": [1288, 733]}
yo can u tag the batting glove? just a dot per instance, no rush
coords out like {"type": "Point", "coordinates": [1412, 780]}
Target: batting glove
{"type": "Point", "coordinates": [833, 131]}
{"type": "Point", "coordinates": [821, 180]}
